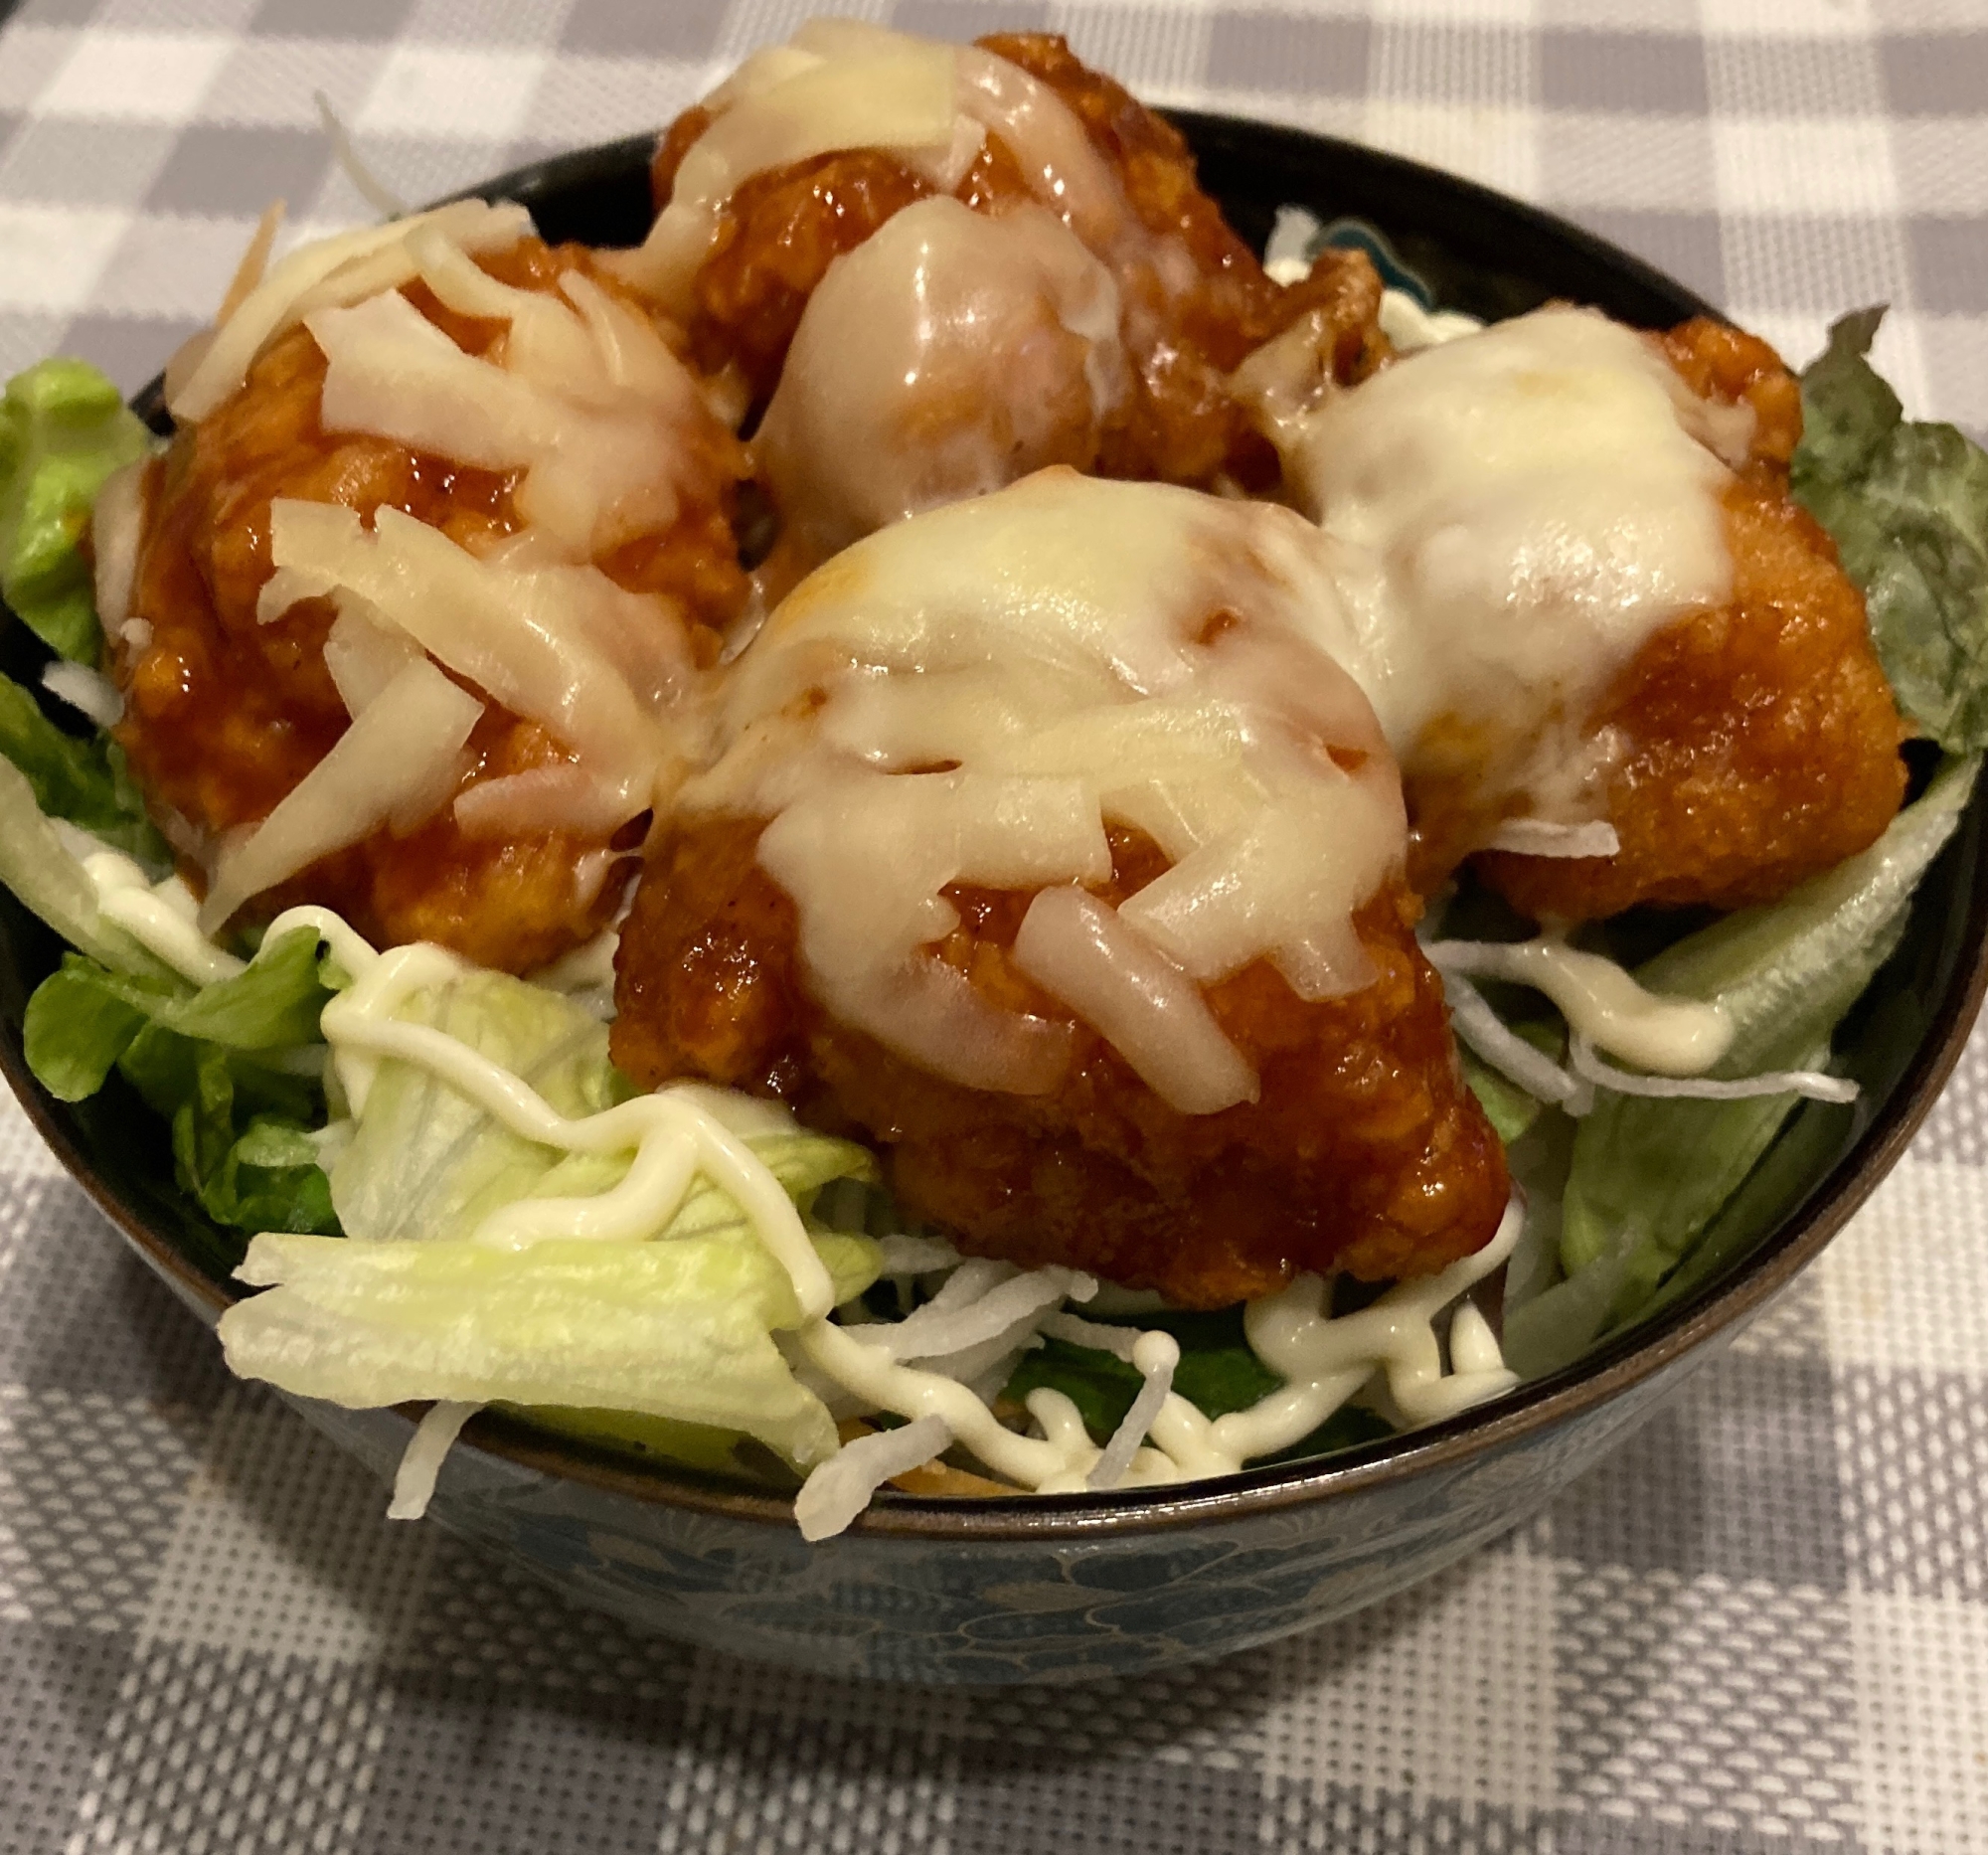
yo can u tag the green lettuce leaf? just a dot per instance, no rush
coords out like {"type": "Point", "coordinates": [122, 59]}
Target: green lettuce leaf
{"type": "Point", "coordinates": [674, 1330]}
{"type": "Point", "coordinates": [1784, 975]}
{"type": "Point", "coordinates": [1906, 504]}
{"type": "Point", "coordinates": [83, 781]}
{"type": "Point", "coordinates": [83, 1016]}
{"type": "Point", "coordinates": [1507, 1106]}
{"type": "Point", "coordinates": [64, 430]}
{"type": "Point", "coordinates": [232, 1067]}
{"type": "Point", "coordinates": [680, 1331]}
{"type": "Point", "coordinates": [269, 1178]}
{"type": "Point", "coordinates": [241, 1130]}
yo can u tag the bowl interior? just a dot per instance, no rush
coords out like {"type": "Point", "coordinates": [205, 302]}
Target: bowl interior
{"type": "Point", "coordinates": [1481, 253]}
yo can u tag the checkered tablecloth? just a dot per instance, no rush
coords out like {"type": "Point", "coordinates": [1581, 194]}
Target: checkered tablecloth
{"type": "Point", "coordinates": [1764, 1625]}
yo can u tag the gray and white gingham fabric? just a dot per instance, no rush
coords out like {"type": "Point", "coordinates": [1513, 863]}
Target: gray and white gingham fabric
{"type": "Point", "coordinates": [1764, 1625]}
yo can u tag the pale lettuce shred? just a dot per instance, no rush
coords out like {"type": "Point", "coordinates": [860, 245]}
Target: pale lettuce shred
{"type": "Point", "coordinates": [409, 1306]}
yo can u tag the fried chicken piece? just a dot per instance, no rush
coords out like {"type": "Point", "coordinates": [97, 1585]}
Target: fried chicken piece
{"type": "Point", "coordinates": [1195, 300]}
{"type": "Point", "coordinates": [1366, 1151]}
{"type": "Point", "coordinates": [1759, 741]}
{"type": "Point", "coordinates": [225, 715]}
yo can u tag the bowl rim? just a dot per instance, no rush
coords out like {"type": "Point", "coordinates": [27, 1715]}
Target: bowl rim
{"type": "Point", "coordinates": [1613, 1367]}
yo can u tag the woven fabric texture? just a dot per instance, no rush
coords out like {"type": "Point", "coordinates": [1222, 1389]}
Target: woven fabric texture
{"type": "Point", "coordinates": [1762, 1625]}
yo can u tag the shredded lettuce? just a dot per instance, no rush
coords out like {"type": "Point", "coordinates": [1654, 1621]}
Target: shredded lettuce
{"type": "Point", "coordinates": [64, 428]}
{"type": "Point", "coordinates": [679, 1329]}
{"type": "Point", "coordinates": [1906, 504]}
{"type": "Point", "coordinates": [670, 1332]}
{"type": "Point", "coordinates": [426, 1163]}
{"type": "Point", "coordinates": [1784, 975]}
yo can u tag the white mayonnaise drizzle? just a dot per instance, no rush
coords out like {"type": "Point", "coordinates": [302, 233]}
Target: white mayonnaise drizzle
{"type": "Point", "coordinates": [1818, 1085]}
{"type": "Point", "coordinates": [1325, 1361]}
{"type": "Point", "coordinates": [160, 916]}
{"type": "Point", "coordinates": [1599, 1001]}
{"type": "Point", "coordinates": [674, 1138]}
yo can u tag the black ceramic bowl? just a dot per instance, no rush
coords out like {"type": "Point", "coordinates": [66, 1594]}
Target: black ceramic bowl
{"type": "Point", "coordinates": [1067, 1587]}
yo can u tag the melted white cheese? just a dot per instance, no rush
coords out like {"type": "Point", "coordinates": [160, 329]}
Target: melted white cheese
{"type": "Point", "coordinates": [948, 354]}
{"type": "Point", "coordinates": [396, 764]}
{"type": "Point", "coordinates": [1051, 646]}
{"type": "Point", "coordinates": [540, 641]}
{"type": "Point", "coordinates": [844, 84]}
{"type": "Point", "coordinates": [589, 402]}
{"type": "Point", "coordinates": [869, 90]}
{"type": "Point", "coordinates": [116, 522]}
{"type": "Point", "coordinates": [344, 268]}
{"type": "Point", "coordinates": [1513, 514]}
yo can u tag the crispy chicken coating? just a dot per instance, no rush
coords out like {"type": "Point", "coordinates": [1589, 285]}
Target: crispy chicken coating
{"type": "Point", "coordinates": [225, 715]}
{"type": "Point", "coordinates": [1758, 740]}
{"type": "Point", "coordinates": [1366, 1151]}
{"type": "Point", "coordinates": [782, 229]}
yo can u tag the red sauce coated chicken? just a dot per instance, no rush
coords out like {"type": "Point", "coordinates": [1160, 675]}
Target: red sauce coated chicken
{"type": "Point", "coordinates": [225, 715]}
{"type": "Point", "coordinates": [1191, 300]}
{"type": "Point", "coordinates": [1365, 1152]}
{"type": "Point", "coordinates": [1016, 679]}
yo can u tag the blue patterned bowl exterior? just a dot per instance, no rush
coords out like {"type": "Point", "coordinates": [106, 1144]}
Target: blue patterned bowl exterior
{"type": "Point", "coordinates": [1072, 1587]}
{"type": "Point", "coordinates": [1039, 1605]}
